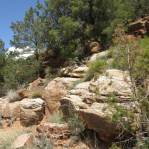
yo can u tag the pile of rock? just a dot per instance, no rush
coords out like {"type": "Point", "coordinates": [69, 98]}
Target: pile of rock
{"type": "Point", "coordinates": [60, 136]}
{"type": "Point", "coordinates": [90, 100]}
{"type": "Point", "coordinates": [28, 111]}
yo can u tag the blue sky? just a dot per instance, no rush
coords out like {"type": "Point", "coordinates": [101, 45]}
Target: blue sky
{"type": "Point", "coordinates": [10, 11]}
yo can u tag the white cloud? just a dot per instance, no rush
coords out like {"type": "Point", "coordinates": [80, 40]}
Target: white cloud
{"type": "Point", "coordinates": [22, 53]}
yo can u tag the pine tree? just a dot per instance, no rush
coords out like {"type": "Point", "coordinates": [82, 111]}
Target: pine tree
{"type": "Point", "coordinates": [2, 45]}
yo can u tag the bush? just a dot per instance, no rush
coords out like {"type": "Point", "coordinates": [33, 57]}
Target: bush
{"type": "Point", "coordinates": [76, 124]}
{"type": "Point", "coordinates": [56, 117]}
{"type": "Point", "coordinates": [42, 143]}
{"type": "Point", "coordinates": [114, 146]}
{"type": "Point", "coordinates": [133, 56]}
{"type": "Point", "coordinates": [36, 94]}
{"type": "Point", "coordinates": [95, 68]}
{"type": "Point", "coordinates": [17, 72]}
{"type": "Point", "coordinates": [7, 138]}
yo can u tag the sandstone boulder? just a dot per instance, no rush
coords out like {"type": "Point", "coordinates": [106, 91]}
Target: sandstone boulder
{"type": "Point", "coordinates": [31, 111]}
{"type": "Point", "coordinates": [55, 90]}
{"type": "Point", "coordinates": [114, 82]}
{"type": "Point", "coordinates": [94, 47]}
{"type": "Point", "coordinates": [99, 55]}
{"type": "Point", "coordinates": [74, 72]}
{"type": "Point", "coordinates": [98, 118]}
{"type": "Point", "coordinates": [23, 93]}
{"type": "Point", "coordinates": [82, 90]}
{"type": "Point", "coordinates": [10, 110]}
{"type": "Point", "coordinates": [36, 84]}
{"type": "Point", "coordinates": [9, 113]}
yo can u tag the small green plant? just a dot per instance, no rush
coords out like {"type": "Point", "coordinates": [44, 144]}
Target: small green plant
{"type": "Point", "coordinates": [57, 117]}
{"type": "Point", "coordinates": [114, 146]}
{"type": "Point", "coordinates": [36, 94]}
{"type": "Point", "coordinates": [76, 124]}
{"type": "Point", "coordinates": [121, 115]}
{"type": "Point", "coordinates": [143, 144]}
{"type": "Point", "coordinates": [95, 68]}
{"type": "Point", "coordinates": [42, 143]}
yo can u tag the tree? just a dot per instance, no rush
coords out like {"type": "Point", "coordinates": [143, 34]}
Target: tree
{"type": "Point", "coordinates": [2, 45]}
{"type": "Point", "coordinates": [84, 20]}
{"type": "Point", "coordinates": [19, 72]}
{"type": "Point", "coordinates": [64, 27]}
{"type": "Point", "coordinates": [29, 32]}
{"type": "Point", "coordinates": [133, 56]}
{"type": "Point", "coordinates": [2, 64]}
{"type": "Point", "coordinates": [141, 7]}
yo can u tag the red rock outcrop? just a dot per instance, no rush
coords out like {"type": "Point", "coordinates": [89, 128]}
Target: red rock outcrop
{"type": "Point", "coordinates": [139, 27]}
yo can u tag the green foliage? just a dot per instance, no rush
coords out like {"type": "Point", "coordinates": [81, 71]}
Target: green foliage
{"type": "Point", "coordinates": [2, 44]}
{"type": "Point", "coordinates": [36, 94]}
{"type": "Point", "coordinates": [56, 117]}
{"type": "Point", "coordinates": [123, 117]}
{"type": "Point", "coordinates": [64, 27]}
{"type": "Point", "coordinates": [42, 143]}
{"type": "Point", "coordinates": [2, 64]}
{"type": "Point", "coordinates": [141, 7]}
{"type": "Point", "coordinates": [133, 56]}
{"type": "Point", "coordinates": [114, 146]}
{"type": "Point", "coordinates": [142, 61]}
{"type": "Point", "coordinates": [143, 144]}
{"type": "Point", "coordinates": [17, 72]}
{"type": "Point", "coordinates": [76, 124]}
{"type": "Point", "coordinates": [95, 68]}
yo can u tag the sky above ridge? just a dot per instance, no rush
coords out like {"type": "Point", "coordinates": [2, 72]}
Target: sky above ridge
{"type": "Point", "coordinates": [11, 11]}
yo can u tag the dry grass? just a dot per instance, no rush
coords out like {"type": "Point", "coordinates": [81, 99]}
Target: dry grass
{"type": "Point", "coordinates": [56, 117]}
{"type": "Point", "coordinates": [13, 96]}
{"type": "Point", "coordinates": [36, 92]}
{"type": "Point", "coordinates": [8, 136]}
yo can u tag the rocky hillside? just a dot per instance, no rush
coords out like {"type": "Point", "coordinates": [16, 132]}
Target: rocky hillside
{"type": "Point", "coordinates": [94, 104]}
{"type": "Point", "coordinates": [87, 109]}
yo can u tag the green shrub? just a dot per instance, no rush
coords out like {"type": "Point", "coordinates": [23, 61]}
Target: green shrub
{"type": "Point", "coordinates": [16, 72]}
{"type": "Point", "coordinates": [143, 144]}
{"type": "Point", "coordinates": [36, 94]}
{"type": "Point", "coordinates": [144, 43]}
{"type": "Point", "coordinates": [95, 68]}
{"type": "Point", "coordinates": [76, 124]}
{"type": "Point", "coordinates": [56, 117]}
{"type": "Point", "coordinates": [133, 56]}
{"type": "Point", "coordinates": [114, 146]}
{"type": "Point", "coordinates": [42, 143]}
